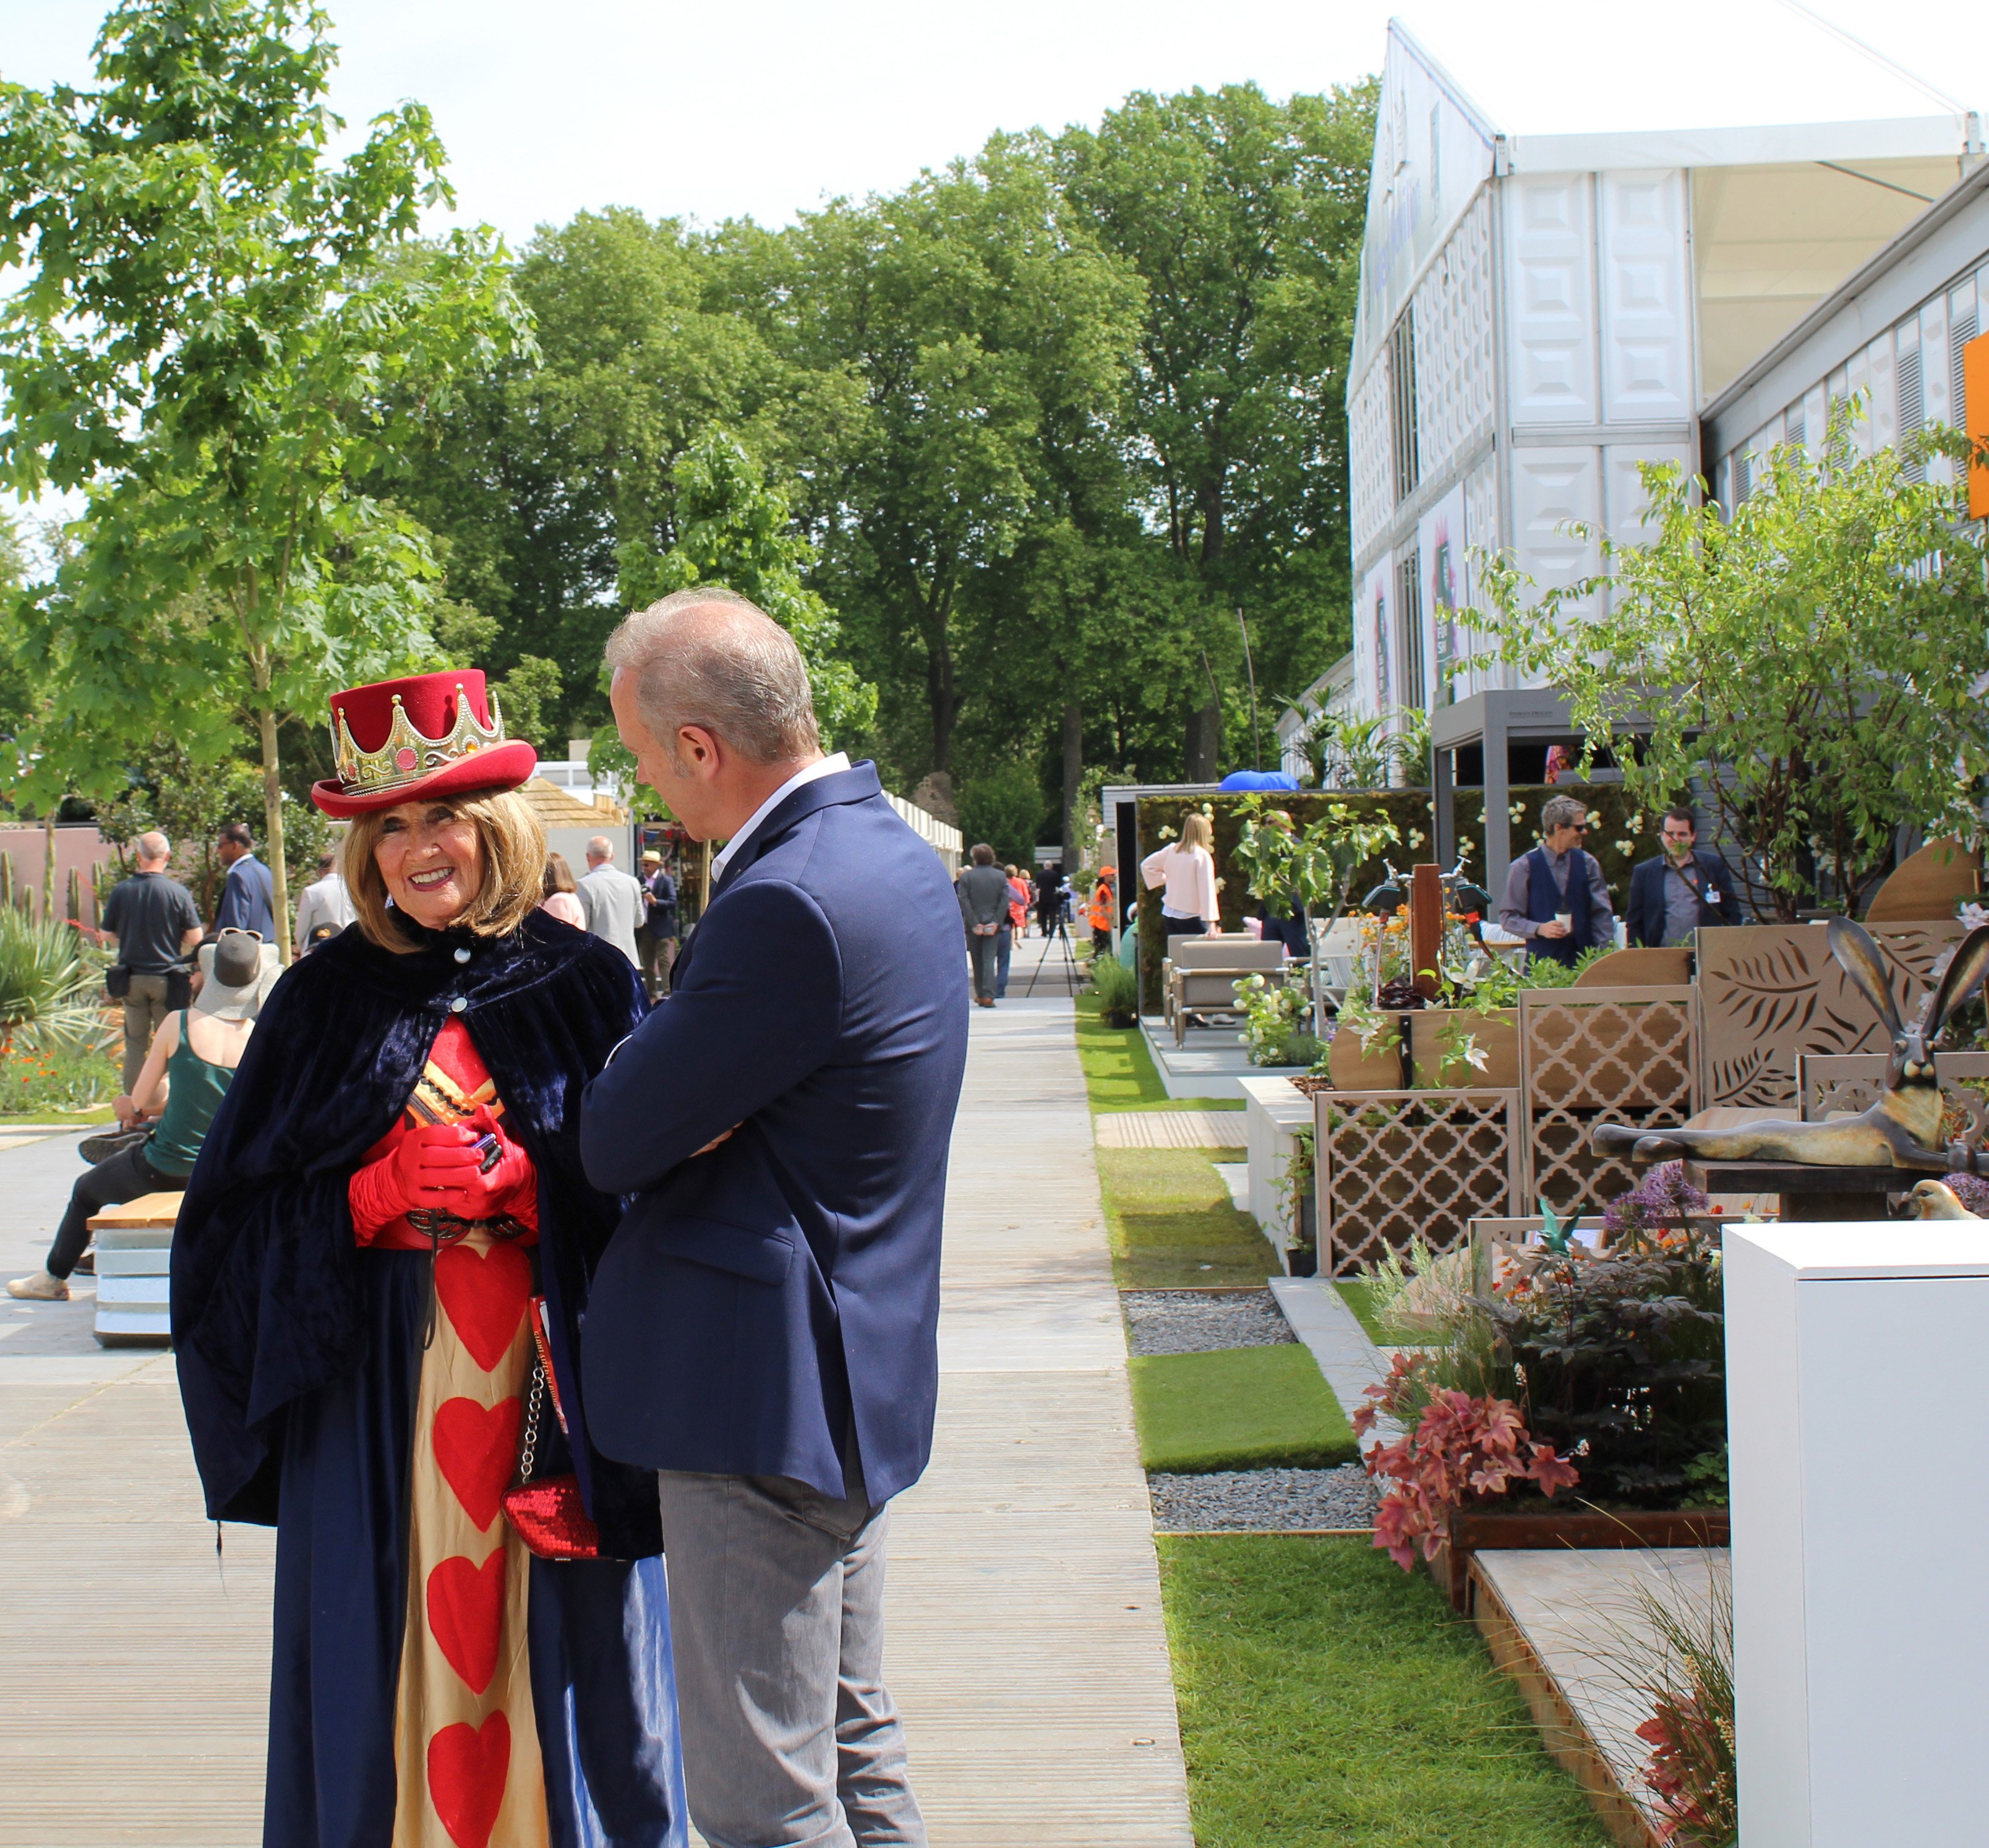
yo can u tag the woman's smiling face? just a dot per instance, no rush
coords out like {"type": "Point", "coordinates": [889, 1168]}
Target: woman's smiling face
{"type": "Point", "coordinates": [431, 860]}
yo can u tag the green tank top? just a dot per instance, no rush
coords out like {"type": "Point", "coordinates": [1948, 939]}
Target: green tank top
{"type": "Point", "coordinates": [195, 1090]}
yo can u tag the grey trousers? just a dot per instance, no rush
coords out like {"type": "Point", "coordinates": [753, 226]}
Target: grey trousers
{"type": "Point", "coordinates": [791, 1738]}
{"type": "Point", "coordinates": [144, 1011]}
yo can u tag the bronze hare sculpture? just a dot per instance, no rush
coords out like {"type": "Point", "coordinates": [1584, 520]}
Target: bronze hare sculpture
{"type": "Point", "coordinates": [1902, 1130]}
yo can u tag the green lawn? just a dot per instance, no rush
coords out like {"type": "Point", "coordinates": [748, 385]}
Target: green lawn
{"type": "Point", "coordinates": [1238, 1409]}
{"type": "Point", "coordinates": [1172, 1223]}
{"type": "Point", "coordinates": [1329, 1700]}
{"type": "Point", "coordinates": [1119, 1071]}
{"type": "Point", "coordinates": [1358, 1297]}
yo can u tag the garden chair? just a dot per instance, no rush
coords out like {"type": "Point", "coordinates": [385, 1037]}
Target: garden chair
{"type": "Point", "coordinates": [1201, 971]}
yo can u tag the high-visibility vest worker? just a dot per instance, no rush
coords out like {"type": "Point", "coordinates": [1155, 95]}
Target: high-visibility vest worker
{"type": "Point", "coordinates": [1100, 914]}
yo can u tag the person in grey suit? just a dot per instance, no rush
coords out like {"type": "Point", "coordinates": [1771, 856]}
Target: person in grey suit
{"type": "Point", "coordinates": [613, 903]}
{"type": "Point", "coordinates": [982, 890]}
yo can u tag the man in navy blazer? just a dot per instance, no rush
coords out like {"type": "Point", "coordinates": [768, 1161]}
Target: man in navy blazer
{"type": "Point", "coordinates": [762, 1327]}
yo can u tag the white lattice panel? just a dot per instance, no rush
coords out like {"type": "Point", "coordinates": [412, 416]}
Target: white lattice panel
{"type": "Point", "coordinates": [1646, 312]}
{"type": "Point", "coordinates": [1370, 466]}
{"type": "Point", "coordinates": [1453, 310]}
{"type": "Point", "coordinates": [1553, 488]}
{"type": "Point", "coordinates": [1552, 310]}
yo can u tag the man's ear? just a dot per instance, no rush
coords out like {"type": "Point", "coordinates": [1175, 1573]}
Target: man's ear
{"type": "Point", "coordinates": [697, 749]}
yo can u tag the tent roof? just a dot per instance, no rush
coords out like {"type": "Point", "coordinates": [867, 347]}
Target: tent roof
{"type": "Point", "coordinates": [557, 807]}
{"type": "Point", "coordinates": [1709, 83]}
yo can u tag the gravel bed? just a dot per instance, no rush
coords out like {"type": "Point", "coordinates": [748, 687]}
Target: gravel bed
{"type": "Point", "coordinates": [1196, 1321]}
{"type": "Point", "coordinates": [1264, 1501]}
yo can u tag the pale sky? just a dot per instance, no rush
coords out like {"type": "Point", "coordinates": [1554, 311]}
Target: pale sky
{"type": "Point", "coordinates": [767, 108]}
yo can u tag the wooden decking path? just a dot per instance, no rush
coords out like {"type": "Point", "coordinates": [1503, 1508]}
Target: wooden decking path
{"type": "Point", "coordinates": [1027, 1646]}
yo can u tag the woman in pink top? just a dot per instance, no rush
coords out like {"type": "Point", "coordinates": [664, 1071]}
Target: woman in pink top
{"type": "Point", "coordinates": [1184, 872]}
{"type": "Point", "coordinates": [562, 897]}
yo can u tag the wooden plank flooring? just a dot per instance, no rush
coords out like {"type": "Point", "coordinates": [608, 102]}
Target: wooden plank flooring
{"type": "Point", "coordinates": [1026, 1643]}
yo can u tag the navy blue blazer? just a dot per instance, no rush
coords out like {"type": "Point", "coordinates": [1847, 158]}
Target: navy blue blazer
{"type": "Point", "coordinates": [1644, 911]}
{"type": "Point", "coordinates": [759, 1303]}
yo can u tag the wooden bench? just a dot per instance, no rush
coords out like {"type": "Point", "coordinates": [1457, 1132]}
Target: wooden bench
{"type": "Point", "coordinates": [134, 1249]}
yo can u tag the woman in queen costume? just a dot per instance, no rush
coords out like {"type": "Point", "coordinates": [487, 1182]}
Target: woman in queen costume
{"type": "Point", "coordinates": [378, 1276]}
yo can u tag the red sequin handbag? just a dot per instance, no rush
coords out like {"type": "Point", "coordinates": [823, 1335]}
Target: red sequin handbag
{"type": "Point", "coordinates": [546, 1512]}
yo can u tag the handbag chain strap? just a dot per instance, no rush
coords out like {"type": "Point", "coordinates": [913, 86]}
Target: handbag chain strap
{"type": "Point", "coordinates": [529, 1450]}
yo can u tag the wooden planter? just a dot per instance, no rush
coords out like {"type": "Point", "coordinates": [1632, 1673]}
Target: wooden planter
{"type": "Point", "coordinates": [1532, 1529]}
{"type": "Point", "coordinates": [1497, 1031]}
{"type": "Point", "coordinates": [1352, 1069]}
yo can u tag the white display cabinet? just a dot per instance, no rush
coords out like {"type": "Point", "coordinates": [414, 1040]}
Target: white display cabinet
{"type": "Point", "coordinates": [1857, 1374]}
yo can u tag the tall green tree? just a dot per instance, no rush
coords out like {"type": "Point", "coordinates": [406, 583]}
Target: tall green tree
{"type": "Point", "coordinates": [1243, 217]}
{"type": "Point", "coordinates": [988, 342]}
{"type": "Point", "coordinates": [215, 344]}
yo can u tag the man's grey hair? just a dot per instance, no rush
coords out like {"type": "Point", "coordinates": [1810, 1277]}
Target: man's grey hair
{"type": "Point", "coordinates": [708, 657]}
{"type": "Point", "coordinates": [154, 847]}
{"type": "Point", "coordinates": [601, 847]}
{"type": "Point", "coordinates": [1562, 811]}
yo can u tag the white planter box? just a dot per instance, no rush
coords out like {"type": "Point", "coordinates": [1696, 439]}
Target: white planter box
{"type": "Point", "coordinates": [1272, 1108]}
{"type": "Point", "coordinates": [1858, 1404]}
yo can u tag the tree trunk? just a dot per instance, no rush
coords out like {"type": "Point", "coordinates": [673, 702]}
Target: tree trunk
{"type": "Point", "coordinates": [273, 825]}
{"type": "Point", "coordinates": [1204, 743]}
{"type": "Point", "coordinates": [1073, 774]}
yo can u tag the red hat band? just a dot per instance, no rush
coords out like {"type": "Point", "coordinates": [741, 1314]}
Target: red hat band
{"type": "Point", "coordinates": [395, 740]}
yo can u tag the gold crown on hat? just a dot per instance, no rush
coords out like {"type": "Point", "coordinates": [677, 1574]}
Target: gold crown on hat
{"type": "Point", "coordinates": [407, 756]}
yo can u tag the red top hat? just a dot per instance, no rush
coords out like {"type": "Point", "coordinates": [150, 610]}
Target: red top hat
{"type": "Point", "coordinates": [430, 734]}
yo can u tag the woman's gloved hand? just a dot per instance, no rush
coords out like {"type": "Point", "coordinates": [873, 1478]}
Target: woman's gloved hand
{"type": "Point", "coordinates": [435, 1166]}
{"type": "Point", "coordinates": [511, 1185]}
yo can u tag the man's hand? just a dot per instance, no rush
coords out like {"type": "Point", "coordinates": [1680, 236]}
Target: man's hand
{"type": "Point", "coordinates": [1554, 928]}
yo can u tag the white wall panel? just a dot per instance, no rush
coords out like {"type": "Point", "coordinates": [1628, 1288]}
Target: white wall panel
{"type": "Point", "coordinates": [1453, 311]}
{"type": "Point", "coordinates": [1883, 427]}
{"type": "Point", "coordinates": [1370, 467]}
{"type": "Point", "coordinates": [1481, 534]}
{"type": "Point", "coordinates": [1373, 668]}
{"type": "Point", "coordinates": [1816, 420]}
{"type": "Point", "coordinates": [1551, 488]}
{"type": "Point", "coordinates": [1646, 315]}
{"type": "Point", "coordinates": [1551, 312]}
{"type": "Point", "coordinates": [1857, 391]}
{"type": "Point", "coordinates": [1623, 498]}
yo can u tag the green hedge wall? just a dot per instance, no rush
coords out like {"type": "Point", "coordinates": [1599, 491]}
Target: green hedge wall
{"type": "Point", "coordinates": [1410, 810]}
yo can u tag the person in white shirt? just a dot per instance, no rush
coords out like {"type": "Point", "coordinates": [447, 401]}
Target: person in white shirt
{"type": "Point", "coordinates": [1183, 871]}
{"type": "Point", "coordinates": [324, 901]}
{"type": "Point", "coordinates": [613, 902]}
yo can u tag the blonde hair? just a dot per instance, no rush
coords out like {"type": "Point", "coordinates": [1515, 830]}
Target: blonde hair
{"type": "Point", "coordinates": [514, 866]}
{"type": "Point", "coordinates": [1197, 831]}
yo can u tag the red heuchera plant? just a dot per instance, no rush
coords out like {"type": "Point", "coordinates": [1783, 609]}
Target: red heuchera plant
{"type": "Point", "coordinates": [1674, 1772]}
{"type": "Point", "coordinates": [1462, 1448]}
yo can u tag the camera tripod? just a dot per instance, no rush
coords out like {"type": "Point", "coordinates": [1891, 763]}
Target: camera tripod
{"type": "Point", "coordinates": [1061, 935]}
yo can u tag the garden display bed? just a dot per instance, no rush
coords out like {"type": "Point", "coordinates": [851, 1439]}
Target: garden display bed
{"type": "Point", "coordinates": [1583, 1529]}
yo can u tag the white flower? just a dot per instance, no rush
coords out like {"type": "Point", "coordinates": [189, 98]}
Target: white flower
{"type": "Point", "coordinates": [1624, 846]}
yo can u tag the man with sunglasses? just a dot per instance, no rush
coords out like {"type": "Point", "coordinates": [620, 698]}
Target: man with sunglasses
{"type": "Point", "coordinates": [1555, 897]}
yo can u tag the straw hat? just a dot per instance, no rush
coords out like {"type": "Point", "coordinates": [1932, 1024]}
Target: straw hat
{"type": "Point", "coordinates": [240, 969]}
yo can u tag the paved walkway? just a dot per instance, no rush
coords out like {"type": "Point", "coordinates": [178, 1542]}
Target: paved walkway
{"type": "Point", "coordinates": [1027, 1648]}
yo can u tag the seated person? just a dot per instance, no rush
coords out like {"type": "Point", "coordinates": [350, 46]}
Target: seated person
{"type": "Point", "coordinates": [193, 1057]}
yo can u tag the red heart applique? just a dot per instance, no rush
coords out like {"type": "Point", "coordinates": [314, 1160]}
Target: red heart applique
{"type": "Point", "coordinates": [465, 1613]}
{"type": "Point", "coordinates": [485, 1294]}
{"type": "Point", "coordinates": [476, 1447]}
{"type": "Point", "coordinates": [467, 1769]}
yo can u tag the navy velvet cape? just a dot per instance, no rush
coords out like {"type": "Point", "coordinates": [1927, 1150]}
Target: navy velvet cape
{"type": "Point", "coordinates": [268, 1302]}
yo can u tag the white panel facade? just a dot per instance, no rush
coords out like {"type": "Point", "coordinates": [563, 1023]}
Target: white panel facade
{"type": "Point", "coordinates": [1552, 490]}
{"type": "Point", "coordinates": [1624, 499]}
{"type": "Point", "coordinates": [1882, 426]}
{"type": "Point", "coordinates": [1453, 323]}
{"type": "Point", "coordinates": [1440, 549]}
{"type": "Point", "coordinates": [1480, 533]}
{"type": "Point", "coordinates": [1647, 369]}
{"type": "Point", "coordinates": [1373, 605]}
{"type": "Point", "coordinates": [1369, 466]}
{"type": "Point", "coordinates": [1934, 377]}
{"type": "Point", "coordinates": [1551, 311]}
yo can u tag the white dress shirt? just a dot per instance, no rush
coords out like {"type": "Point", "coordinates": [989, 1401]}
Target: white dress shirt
{"type": "Point", "coordinates": [827, 766]}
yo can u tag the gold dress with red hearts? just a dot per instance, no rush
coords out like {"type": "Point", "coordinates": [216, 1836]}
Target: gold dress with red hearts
{"type": "Point", "coordinates": [465, 1746]}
